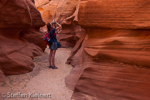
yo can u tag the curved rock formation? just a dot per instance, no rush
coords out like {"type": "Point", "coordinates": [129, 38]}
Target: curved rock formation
{"type": "Point", "coordinates": [116, 31]}
{"type": "Point", "coordinates": [20, 39]}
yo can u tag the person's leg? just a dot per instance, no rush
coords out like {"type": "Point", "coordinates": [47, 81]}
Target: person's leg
{"type": "Point", "coordinates": [53, 57]}
{"type": "Point", "coordinates": [50, 57]}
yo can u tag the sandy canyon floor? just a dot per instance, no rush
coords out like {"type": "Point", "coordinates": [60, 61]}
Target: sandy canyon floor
{"type": "Point", "coordinates": [42, 81]}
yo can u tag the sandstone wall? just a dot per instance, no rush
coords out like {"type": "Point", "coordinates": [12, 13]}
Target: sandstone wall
{"type": "Point", "coordinates": [125, 14]}
{"type": "Point", "coordinates": [20, 39]}
{"type": "Point", "coordinates": [117, 32]}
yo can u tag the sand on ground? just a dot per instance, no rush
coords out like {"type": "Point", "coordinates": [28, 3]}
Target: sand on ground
{"type": "Point", "coordinates": [42, 81]}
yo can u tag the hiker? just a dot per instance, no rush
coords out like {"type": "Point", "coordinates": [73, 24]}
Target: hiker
{"type": "Point", "coordinates": [52, 28]}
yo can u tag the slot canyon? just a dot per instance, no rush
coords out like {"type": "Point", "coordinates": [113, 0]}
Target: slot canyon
{"type": "Point", "coordinates": [110, 41]}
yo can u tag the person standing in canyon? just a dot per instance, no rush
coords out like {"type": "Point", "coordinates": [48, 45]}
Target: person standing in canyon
{"type": "Point", "coordinates": [53, 28]}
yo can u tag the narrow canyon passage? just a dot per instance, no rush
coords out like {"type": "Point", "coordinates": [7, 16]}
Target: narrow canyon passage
{"type": "Point", "coordinates": [42, 80]}
{"type": "Point", "coordinates": [106, 43]}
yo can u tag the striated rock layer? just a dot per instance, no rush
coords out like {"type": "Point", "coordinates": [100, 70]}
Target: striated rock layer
{"type": "Point", "coordinates": [20, 39]}
{"type": "Point", "coordinates": [116, 31]}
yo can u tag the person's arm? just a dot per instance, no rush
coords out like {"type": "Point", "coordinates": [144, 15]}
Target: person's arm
{"type": "Point", "coordinates": [58, 26]}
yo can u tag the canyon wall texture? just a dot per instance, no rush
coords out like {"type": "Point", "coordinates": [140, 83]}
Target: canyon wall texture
{"type": "Point", "coordinates": [20, 38]}
{"type": "Point", "coordinates": [117, 34]}
{"type": "Point", "coordinates": [111, 40]}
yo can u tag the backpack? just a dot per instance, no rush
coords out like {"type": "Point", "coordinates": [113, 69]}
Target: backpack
{"type": "Point", "coordinates": [47, 39]}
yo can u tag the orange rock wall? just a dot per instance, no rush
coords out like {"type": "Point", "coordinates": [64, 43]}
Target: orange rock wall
{"type": "Point", "coordinates": [120, 32]}
{"type": "Point", "coordinates": [117, 34]}
{"type": "Point", "coordinates": [20, 39]}
{"type": "Point", "coordinates": [125, 14]}
{"type": "Point", "coordinates": [99, 69]}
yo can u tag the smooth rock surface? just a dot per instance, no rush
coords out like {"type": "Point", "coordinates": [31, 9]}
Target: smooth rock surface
{"type": "Point", "coordinates": [20, 39]}
{"type": "Point", "coordinates": [117, 32]}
